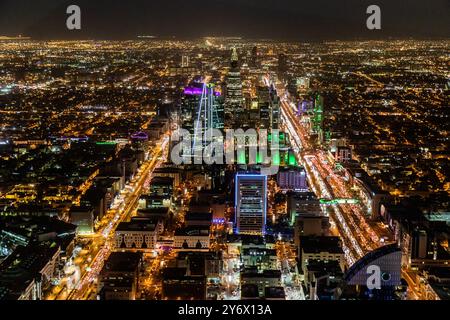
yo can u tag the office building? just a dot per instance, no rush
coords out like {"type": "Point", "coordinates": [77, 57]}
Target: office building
{"type": "Point", "coordinates": [269, 107]}
{"type": "Point", "coordinates": [119, 278]}
{"type": "Point", "coordinates": [302, 204]}
{"type": "Point", "coordinates": [292, 178]}
{"type": "Point", "coordinates": [251, 203]}
{"type": "Point", "coordinates": [178, 283]}
{"type": "Point", "coordinates": [234, 101]}
{"type": "Point", "coordinates": [282, 64]}
{"type": "Point", "coordinates": [254, 62]}
{"type": "Point", "coordinates": [320, 248]}
{"type": "Point", "coordinates": [138, 234]}
{"type": "Point", "coordinates": [266, 278]}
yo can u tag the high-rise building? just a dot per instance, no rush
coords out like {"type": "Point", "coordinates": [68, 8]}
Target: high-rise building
{"type": "Point", "coordinates": [318, 117]}
{"type": "Point", "coordinates": [275, 109]}
{"type": "Point", "coordinates": [254, 57]}
{"type": "Point", "coordinates": [201, 109]}
{"type": "Point", "coordinates": [419, 244]}
{"type": "Point", "coordinates": [264, 108]}
{"type": "Point", "coordinates": [234, 102]}
{"type": "Point", "coordinates": [388, 260]}
{"type": "Point", "coordinates": [251, 203]}
{"type": "Point", "coordinates": [269, 108]}
{"type": "Point", "coordinates": [282, 64]}
{"type": "Point", "coordinates": [182, 69]}
{"type": "Point", "coordinates": [185, 61]}
{"type": "Point", "coordinates": [343, 154]}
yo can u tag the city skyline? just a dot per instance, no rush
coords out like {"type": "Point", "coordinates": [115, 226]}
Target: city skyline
{"type": "Point", "coordinates": [305, 160]}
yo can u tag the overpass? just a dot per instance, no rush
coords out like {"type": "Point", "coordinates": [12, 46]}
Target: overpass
{"type": "Point", "coordinates": [338, 201]}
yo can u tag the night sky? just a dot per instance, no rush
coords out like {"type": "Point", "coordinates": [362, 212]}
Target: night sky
{"type": "Point", "coordinates": [277, 19]}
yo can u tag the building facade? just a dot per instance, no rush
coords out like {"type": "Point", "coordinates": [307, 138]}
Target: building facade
{"type": "Point", "coordinates": [251, 203]}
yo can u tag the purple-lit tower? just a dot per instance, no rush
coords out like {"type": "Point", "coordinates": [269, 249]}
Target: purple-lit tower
{"type": "Point", "coordinates": [201, 109]}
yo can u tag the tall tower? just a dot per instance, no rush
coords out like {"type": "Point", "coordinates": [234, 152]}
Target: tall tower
{"type": "Point", "coordinates": [274, 109]}
{"type": "Point", "coordinates": [269, 107]}
{"type": "Point", "coordinates": [282, 65]}
{"type": "Point", "coordinates": [251, 203]}
{"type": "Point", "coordinates": [254, 57]}
{"type": "Point", "coordinates": [234, 102]}
{"type": "Point", "coordinates": [234, 59]}
{"type": "Point", "coordinates": [318, 117]}
{"type": "Point", "coordinates": [264, 107]}
{"type": "Point", "coordinates": [201, 109]}
{"type": "Point", "coordinates": [207, 115]}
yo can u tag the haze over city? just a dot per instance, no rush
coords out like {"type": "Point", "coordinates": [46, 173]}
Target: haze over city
{"type": "Point", "coordinates": [298, 20]}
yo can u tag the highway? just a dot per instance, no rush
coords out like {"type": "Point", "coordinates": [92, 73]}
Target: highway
{"type": "Point", "coordinates": [357, 235]}
{"type": "Point", "coordinates": [355, 231]}
{"type": "Point", "coordinates": [365, 76]}
{"type": "Point", "coordinates": [87, 283]}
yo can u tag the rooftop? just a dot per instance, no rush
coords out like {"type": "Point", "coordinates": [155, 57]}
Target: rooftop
{"type": "Point", "coordinates": [317, 244]}
{"type": "Point", "coordinates": [193, 231]}
{"type": "Point", "coordinates": [122, 262]}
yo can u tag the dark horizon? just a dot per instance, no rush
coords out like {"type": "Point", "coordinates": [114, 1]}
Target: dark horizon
{"type": "Point", "coordinates": [288, 20]}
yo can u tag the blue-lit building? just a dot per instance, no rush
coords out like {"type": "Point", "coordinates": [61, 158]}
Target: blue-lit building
{"type": "Point", "coordinates": [251, 203]}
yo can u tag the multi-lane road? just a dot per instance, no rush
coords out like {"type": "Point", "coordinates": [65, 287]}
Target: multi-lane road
{"type": "Point", "coordinates": [357, 233]}
{"type": "Point", "coordinates": [87, 283]}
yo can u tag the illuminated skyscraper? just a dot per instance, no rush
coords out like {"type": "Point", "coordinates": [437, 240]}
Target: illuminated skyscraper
{"type": "Point", "coordinates": [201, 109]}
{"type": "Point", "coordinates": [234, 102]}
{"type": "Point", "coordinates": [185, 61]}
{"type": "Point", "coordinates": [251, 203]}
{"type": "Point", "coordinates": [274, 109]}
{"type": "Point", "coordinates": [264, 107]}
{"type": "Point", "coordinates": [282, 65]}
{"type": "Point", "coordinates": [254, 58]}
{"type": "Point", "coordinates": [318, 117]}
{"type": "Point", "coordinates": [269, 108]}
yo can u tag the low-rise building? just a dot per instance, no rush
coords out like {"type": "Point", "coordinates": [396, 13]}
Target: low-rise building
{"type": "Point", "coordinates": [28, 271]}
{"type": "Point", "coordinates": [83, 218]}
{"type": "Point", "coordinates": [161, 186]}
{"type": "Point", "coordinates": [267, 278]}
{"type": "Point", "coordinates": [198, 219]}
{"type": "Point", "coordinates": [262, 258]}
{"type": "Point", "coordinates": [119, 278]}
{"type": "Point", "coordinates": [302, 204]}
{"type": "Point", "coordinates": [320, 248]}
{"type": "Point", "coordinates": [137, 234]}
{"type": "Point", "coordinates": [178, 284]}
